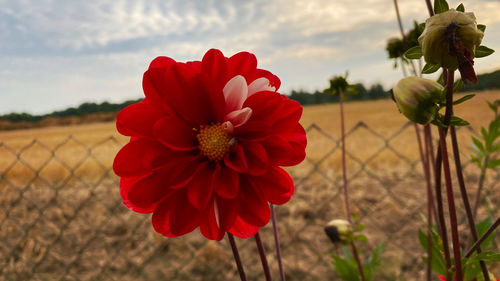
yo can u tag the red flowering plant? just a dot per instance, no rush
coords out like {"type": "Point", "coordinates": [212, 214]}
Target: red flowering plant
{"type": "Point", "coordinates": [206, 146]}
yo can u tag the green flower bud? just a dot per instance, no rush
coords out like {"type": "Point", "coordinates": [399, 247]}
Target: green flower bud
{"type": "Point", "coordinates": [417, 98]}
{"type": "Point", "coordinates": [339, 231]}
{"type": "Point", "coordinates": [435, 40]}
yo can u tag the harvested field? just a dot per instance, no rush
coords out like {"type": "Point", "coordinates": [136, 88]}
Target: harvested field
{"type": "Point", "coordinates": [61, 216]}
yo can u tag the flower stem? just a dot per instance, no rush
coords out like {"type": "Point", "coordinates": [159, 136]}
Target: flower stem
{"type": "Point", "coordinates": [263, 258]}
{"type": "Point", "coordinates": [236, 255]}
{"type": "Point", "coordinates": [344, 172]}
{"type": "Point", "coordinates": [447, 176]}
{"type": "Point", "coordinates": [440, 210]}
{"type": "Point", "coordinates": [465, 199]}
{"type": "Point", "coordinates": [429, 7]}
{"type": "Point", "coordinates": [358, 261]}
{"type": "Point", "coordinates": [344, 176]}
{"type": "Point", "coordinates": [277, 243]}
{"type": "Point", "coordinates": [482, 238]}
{"type": "Point", "coordinates": [480, 186]}
{"type": "Point", "coordinates": [425, 164]}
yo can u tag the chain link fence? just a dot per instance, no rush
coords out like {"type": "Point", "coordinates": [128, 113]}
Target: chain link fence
{"type": "Point", "coordinates": [61, 216]}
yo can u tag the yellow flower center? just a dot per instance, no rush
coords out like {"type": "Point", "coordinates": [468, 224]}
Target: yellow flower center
{"type": "Point", "coordinates": [214, 141]}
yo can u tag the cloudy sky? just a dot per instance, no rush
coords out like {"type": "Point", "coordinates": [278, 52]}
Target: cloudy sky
{"type": "Point", "coordinates": [56, 53]}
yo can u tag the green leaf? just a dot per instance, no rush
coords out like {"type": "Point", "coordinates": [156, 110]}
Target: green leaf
{"type": "Point", "coordinates": [344, 269]}
{"type": "Point", "coordinates": [439, 123]}
{"type": "Point", "coordinates": [493, 107]}
{"type": "Point", "coordinates": [482, 227]}
{"type": "Point", "coordinates": [421, 27]}
{"type": "Point", "coordinates": [483, 51]}
{"type": "Point", "coordinates": [373, 261]}
{"type": "Point", "coordinates": [440, 6]}
{"type": "Point", "coordinates": [437, 263]}
{"type": "Point", "coordinates": [361, 227]}
{"type": "Point", "coordinates": [481, 27]}
{"type": "Point", "coordinates": [430, 68]}
{"type": "Point", "coordinates": [361, 237]}
{"type": "Point", "coordinates": [494, 164]}
{"type": "Point", "coordinates": [461, 8]}
{"type": "Point", "coordinates": [414, 53]}
{"type": "Point", "coordinates": [485, 256]}
{"type": "Point", "coordinates": [464, 98]}
{"type": "Point", "coordinates": [478, 144]}
{"type": "Point", "coordinates": [458, 86]}
{"type": "Point", "coordinates": [457, 121]}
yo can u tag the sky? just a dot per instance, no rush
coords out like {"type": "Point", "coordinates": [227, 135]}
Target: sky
{"type": "Point", "coordinates": [56, 53]}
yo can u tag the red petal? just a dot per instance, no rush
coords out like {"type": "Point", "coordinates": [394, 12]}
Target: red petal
{"type": "Point", "coordinates": [278, 150]}
{"type": "Point", "coordinates": [161, 220]}
{"type": "Point", "coordinates": [256, 157]}
{"type": "Point", "coordinates": [214, 65]}
{"type": "Point", "coordinates": [242, 229]}
{"type": "Point", "coordinates": [193, 96]}
{"type": "Point", "coordinates": [150, 190]}
{"type": "Point", "coordinates": [290, 112]}
{"type": "Point", "coordinates": [137, 119]}
{"type": "Point", "coordinates": [183, 217]}
{"type": "Point", "coordinates": [254, 208]}
{"type": "Point", "coordinates": [139, 157]}
{"type": "Point", "coordinates": [199, 189]}
{"type": "Point", "coordinates": [242, 63]}
{"type": "Point", "coordinates": [155, 87]}
{"type": "Point", "coordinates": [225, 182]}
{"type": "Point", "coordinates": [161, 62]}
{"type": "Point", "coordinates": [125, 186]}
{"type": "Point", "coordinates": [274, 81]}
{"type": "Point", "coordinates": [277, 186]}
{"type": "Point", "coordinates": [175, 134]}
{"type": "Point", "coordinates": [227, 211]}
{"type": "Point", "coordinates": [235, 159]}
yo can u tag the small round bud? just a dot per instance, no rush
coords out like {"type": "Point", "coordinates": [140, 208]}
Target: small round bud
{"type": "Point", "coordinates": [436, 38]}
{"type": "Point", "coordinates": [417, 98]}
{"type": "Point", "coordinates": [339, 231]}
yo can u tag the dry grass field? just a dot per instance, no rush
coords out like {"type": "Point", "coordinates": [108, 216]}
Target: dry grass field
{"type": "Point", "coordinates": [61, 216]}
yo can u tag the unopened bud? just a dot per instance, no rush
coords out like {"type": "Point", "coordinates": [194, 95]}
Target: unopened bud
{"type": "Point", "coordinates": [417, 98]}
{"type": "Point", "coordinates": [339, 231]}
{"type": "Point", "coordinates": [437, 37]}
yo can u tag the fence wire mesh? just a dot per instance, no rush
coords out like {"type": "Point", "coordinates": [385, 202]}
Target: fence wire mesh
{"type": "Point", "coordinates": [61, 215]}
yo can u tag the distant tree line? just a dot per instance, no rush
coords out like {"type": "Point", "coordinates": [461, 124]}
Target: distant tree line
{"type": "Point", "coordinates": [358, 93]}
{"type": "Point", "coordinates": [84, 108]}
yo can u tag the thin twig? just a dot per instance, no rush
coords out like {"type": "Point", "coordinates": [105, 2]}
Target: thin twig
{"type": "Point", "coordinates": [447, 176]}
{"type": "Point", "coordinates": [425, 164]}
{"type": "Point", "coordinates": [263, 258]}
{"type": "Point", "coordinates": [277, 242]}
{"type": "Point", "coordinates": [465, 198]}
{"type": "Point", "coordinates": [344, 172]}
{"type": "Point", "coordinates": [237, 258]}
{"type": "Point", "coordinates": [480, 185]}
{"type": "Point", "coordinates": [358, 261]}
{"type": "Point", "coordinates": [482, 238]}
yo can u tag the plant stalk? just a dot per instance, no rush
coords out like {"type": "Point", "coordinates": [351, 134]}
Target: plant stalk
{"type": "Point", "coordinates": [447, 176]}
{"type": "Point", "coordinates": [237, 258]}
{"type": "Point", "coordinates": [480, 186]}
{"type": "Point", "coordinates": [482, 238]}
{"type": "Point", "coordinates": [277, 242]}
{"type": "Point", "coordinates": [465, 198]}
{"type": "Point", "coordinates": [358, 261]}
{"type": "Point", "coordinates": [344, 169]}
{"type": "Point", "coordinates": [263, 258]}
{"type": "Point", "coordinates": [425, 165]}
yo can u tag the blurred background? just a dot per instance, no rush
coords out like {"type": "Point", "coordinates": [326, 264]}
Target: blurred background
{"type": "Point", "coordinates": [68, 67]}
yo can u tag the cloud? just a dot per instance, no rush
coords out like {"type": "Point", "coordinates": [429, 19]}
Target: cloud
{"type": "Point", "coordinates": [71, 51]}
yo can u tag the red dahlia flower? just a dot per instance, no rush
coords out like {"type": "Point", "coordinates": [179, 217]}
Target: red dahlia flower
{"type": "Point", "coordinates": [206, 145]}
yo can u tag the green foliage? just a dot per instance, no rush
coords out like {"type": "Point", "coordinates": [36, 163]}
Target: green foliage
{"type": "Point", "coordinates": [414, 53]}
{"type": "Point", "coordinates": [461, 8]}
{"type": "Point", "coordinates": [337, 84]}
{"type": "Point", "coordinates": [440, 6]}
{"type": "Point", "coordinates": [430, 68]}
{"type": "Point", "coordinates": [464, 98]}
{"type": "Point", "coordinates": [484, 151]}
{"type": "Point", "coordinates": [481, 27]}
{"type": "Point", "coordinates": [83, 109]}
{"type": "Point", "coordinates": [471, 267]}
{"type": "Point", "coordinates": [483, 51]}
{"type": "Point", "coordinates": [347, 268]}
